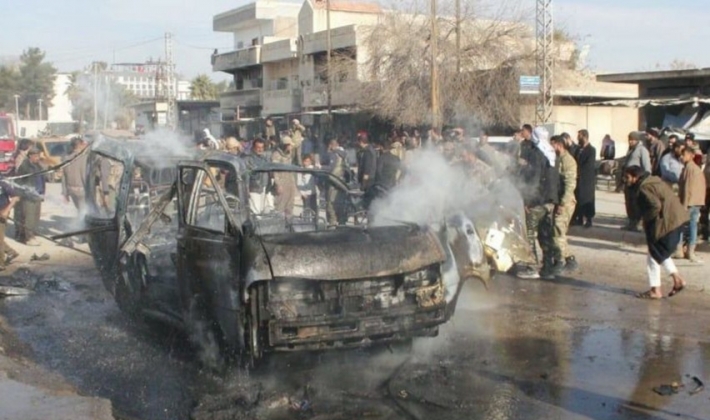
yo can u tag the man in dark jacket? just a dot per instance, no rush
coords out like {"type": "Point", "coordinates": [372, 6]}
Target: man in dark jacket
{"type": "Point", "coordinates": [388, 168]}
{"type": "Point", "coordinates": [663, 219]}
{"type": "Point", "coordinates": [31, 209]}
{"type": "Point", "coordinates": [586, 181]}
{"type": "Point", "coordinates": [539, 185]}
{"type": "Point", "coordinates": [366, 163]}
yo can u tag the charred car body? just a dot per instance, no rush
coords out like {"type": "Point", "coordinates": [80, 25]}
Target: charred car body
{"type": "Point", "coordinates": [175, 239]}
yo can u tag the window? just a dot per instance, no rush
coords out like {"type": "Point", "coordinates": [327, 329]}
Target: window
{"type": "Point", "coordinates": [105, 183]}
{"type": "Point", "coordinates": [205, 210]}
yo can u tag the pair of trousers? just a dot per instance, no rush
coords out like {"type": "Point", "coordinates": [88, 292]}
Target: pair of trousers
{"type": "Point", "coordinates": [562, 220]}
{"type": "Point", "coordinates": [5, 248]}
{"type": "Point", "coordinates": [30, 219]}
{"type": "Point", "coordinates": [540, 226]}
{"type": "Point", "coordinates": [261, 203]}
{"type": "Point", "coordinates": [694, 212]}
{"type": "Point", "coordinates": [653, 269]}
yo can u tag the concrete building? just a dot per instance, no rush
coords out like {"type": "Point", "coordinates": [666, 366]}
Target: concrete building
{"type": "Point", "coordinates": [280, 55]}
{"type": "Point", "coordinates": [143, 79]}
{"type": "Point", "coordinates": [191, 116]}
{"type": "Point", "coordinates": [677, 99]}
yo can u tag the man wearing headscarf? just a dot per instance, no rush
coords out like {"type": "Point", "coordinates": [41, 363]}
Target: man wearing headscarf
{"type": "Point", "coordinates": [539, 186]}
{"type": "Point", "coordinates": [297, 135]}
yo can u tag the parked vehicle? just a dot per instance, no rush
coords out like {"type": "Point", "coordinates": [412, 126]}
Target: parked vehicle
{"type": "Point", "coordinates": [8, 143]}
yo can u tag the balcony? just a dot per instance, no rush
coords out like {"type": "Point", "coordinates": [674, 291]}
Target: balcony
{"type": "Point", "coordinates": [281, 101]}
{"type": "Point", "coordinates": [279, 50]}
{"type": "Point", "coordinates": [343, 94]}
{"type": "Point", "coordinates": [240, 99]}
{"type": "Point", "coordinates": [231, 61]}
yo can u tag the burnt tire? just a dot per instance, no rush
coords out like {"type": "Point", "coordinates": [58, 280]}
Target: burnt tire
{"type": "Point", "coordinates": [205, 336]}
{"type": "Point", "coordinates": [127, 289]}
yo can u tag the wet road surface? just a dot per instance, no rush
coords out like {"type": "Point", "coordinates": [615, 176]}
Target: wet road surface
{"type": "Point", "coordinates": [575, 348]}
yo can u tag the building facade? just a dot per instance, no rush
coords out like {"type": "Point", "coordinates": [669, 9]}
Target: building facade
{"type": "Point", "coordinates": [143, 80]}
{"type": "Point", "coordinates": [279, 64]}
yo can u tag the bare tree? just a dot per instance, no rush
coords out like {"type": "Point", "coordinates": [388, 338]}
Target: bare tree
{"type": "Point", "coordinates": [395, 61]}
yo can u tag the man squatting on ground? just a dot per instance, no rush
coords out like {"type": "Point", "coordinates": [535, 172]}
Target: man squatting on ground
{"type": "Point", "coordinates": [663, 218]}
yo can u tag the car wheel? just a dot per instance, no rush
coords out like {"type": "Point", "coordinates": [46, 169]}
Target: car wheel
{"type": "Point", "coordinates": [127, 291]}
{"type": "Point", "coordinates": [205, 336]}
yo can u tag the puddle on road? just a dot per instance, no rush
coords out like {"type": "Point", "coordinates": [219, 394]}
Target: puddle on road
{"type": "Point", "coordinates": [489, 363]}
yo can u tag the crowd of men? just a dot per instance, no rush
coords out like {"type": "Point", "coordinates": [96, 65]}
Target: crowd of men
{"type": "Point", "coordinates": [677, 162]}
{"type": "Point", "coordinates": [556, 176]}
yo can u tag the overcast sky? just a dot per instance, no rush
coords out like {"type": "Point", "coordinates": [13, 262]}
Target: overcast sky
{"type": "Point", "coordinates": [624, 35]}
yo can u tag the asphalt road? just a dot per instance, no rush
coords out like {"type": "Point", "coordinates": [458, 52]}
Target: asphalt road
{"type": "Point", "coordinates": [579, 347]}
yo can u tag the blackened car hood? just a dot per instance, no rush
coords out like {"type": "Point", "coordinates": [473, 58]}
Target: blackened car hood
{"type": "Point", "coordinates": [345, 254]}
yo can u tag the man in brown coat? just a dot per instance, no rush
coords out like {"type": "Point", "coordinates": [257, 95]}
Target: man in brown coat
{"type": "Point", "coordinates": [284, 182]}
{"type": "Point", "coordinates": [74, 176]}
{"type": "Point", "coordinates": [691, 191]}
{"type": "Point", "coordinates": [663, 219]}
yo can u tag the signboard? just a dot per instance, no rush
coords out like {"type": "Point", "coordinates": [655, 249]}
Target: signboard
{"type": "Point", "coordinates": [529, 85]}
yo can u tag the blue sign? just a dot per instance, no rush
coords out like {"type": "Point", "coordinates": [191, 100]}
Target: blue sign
{"type": "Point", "coordinates": [529, 85]}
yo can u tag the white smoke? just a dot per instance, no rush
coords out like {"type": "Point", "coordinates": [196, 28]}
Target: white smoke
{"type": "Point", "coordinates": [432, 190]}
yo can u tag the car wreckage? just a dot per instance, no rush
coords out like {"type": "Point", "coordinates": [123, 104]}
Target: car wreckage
{"type": "Point", "coordinates": [175, 239]}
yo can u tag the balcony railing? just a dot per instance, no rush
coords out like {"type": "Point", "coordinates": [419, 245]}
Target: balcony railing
{"type": "Point", "coordinates": [237, 59]}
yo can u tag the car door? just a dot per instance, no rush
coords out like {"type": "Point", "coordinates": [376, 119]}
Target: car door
{"type": "Point", "coordinates": [106, 189]}
{"type": "Point", "coordinates": [209, 239]}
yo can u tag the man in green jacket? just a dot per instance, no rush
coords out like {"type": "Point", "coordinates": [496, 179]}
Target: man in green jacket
{"type": "Point", "coordinates": [663, 218]}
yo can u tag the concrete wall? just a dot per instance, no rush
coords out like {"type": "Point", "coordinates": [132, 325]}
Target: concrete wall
{"type": "Point", "coordinates": [598, 120]}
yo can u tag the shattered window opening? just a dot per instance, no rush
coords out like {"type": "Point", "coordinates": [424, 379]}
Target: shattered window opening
{"type": "Point", "coordinates": [104, 185]}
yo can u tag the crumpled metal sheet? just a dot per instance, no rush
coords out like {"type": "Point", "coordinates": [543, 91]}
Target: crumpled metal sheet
{"type": "Point", "coordinates": [346, 254]}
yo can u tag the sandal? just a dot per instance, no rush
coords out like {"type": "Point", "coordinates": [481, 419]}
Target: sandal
{"type": "Point", "coordinates": [676, 290]}
{"type": "Point", "coordinates": [647, 295]}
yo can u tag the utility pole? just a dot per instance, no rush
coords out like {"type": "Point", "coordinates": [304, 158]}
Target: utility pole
{"type": "Point", "coordinates": [96, 94]}
{"type": "Point", "coordinates": [170, 82]}
{"type": "Point", "coordinates": [458, 36]}
{"type": "Point", "coordinates": [545, 61]}
{"type": "Point", "coordinates": [329, 47]}
{"type": "Point", "coordinates": [39, 108]}
{"type": "Point", "coordinates": [434, 40]}
{"type": "Point", "coordinates": [17, 115]}
{"type": "Point", "coordinates": [107, 95]}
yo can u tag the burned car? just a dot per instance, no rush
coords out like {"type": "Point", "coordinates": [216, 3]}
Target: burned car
{"type": "Point", "coordinates": [176, 239]}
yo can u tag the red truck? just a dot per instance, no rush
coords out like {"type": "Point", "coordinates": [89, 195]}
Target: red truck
{"type": "Point", "coordinates": [7, 143]}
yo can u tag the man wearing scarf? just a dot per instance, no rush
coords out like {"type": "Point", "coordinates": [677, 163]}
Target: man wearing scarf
{"type": "Point", "coordinates": [539, 186]}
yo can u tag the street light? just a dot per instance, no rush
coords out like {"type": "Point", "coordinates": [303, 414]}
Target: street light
{"type": "Point", "coordinates": [17, 114]}
{"type": "Point", "coordinates": [39, 108]}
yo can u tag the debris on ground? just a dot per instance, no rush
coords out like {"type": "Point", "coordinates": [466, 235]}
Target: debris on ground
{"type": "Point", "coordinates": [668, 389]}
{"type": "Point", "coordinates": [43, 257]}
{"type": "Point", "coordinates": [24, 281]}
{"type": "Point", "coordinates": [699, 386]}
{"type": "Point", "coordinates": [13, 291]}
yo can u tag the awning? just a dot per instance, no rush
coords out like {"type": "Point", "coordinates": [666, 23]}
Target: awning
{"type": "Point", "coordinates": [640, 103]}
{"type": "Point", "coordinates": [333, 111]}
